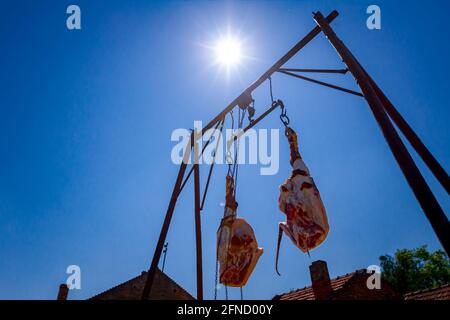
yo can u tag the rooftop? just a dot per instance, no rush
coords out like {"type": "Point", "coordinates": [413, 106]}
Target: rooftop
{"type": "Point", "coordinates": [163, 288]}
{"type": "Point", "coordinates": [438, 293]}
{"type": "Point", "coordinates": [307, 293]}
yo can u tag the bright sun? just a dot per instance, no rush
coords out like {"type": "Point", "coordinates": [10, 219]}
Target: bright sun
{"type": "Point", "coordinates": [228, 51]}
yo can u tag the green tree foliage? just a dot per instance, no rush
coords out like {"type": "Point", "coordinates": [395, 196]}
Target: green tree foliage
{"type": "Point", "coordinates": [417, 269]}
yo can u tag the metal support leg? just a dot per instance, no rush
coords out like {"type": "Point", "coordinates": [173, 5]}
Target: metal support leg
{"type": "Point", "coordinates": [425, 197]}
{"type": "Point", "coordinates": [432, 163]}
{"type": "Point", "coordinates": [198, 230]}
{"type": "Point", "coordinates": [166, 224]}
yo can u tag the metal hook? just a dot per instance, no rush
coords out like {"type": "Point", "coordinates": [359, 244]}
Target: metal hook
{"type": "Point", "coordinates": [283, 116]}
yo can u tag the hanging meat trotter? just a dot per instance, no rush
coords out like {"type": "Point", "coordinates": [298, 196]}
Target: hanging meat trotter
{"type": "Point", "coordinates": [306, 221]}
{"type": "Point", "coordinates": [237, 248]}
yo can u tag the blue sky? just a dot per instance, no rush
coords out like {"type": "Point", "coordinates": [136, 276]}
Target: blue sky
{"type": "Point", "coordinates": [86, 119]}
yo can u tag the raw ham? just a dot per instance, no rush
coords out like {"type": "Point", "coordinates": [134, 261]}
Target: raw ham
{"type": "Point", "coordinates": [306, 220]}
{"type": "Point", "coordinates": [237, 248]}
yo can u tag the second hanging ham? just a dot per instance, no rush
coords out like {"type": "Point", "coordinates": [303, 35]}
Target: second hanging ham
{"type": "Point", "coordinates": [237, 248]}
{"type": "Point", "coordinates": [306, 220]}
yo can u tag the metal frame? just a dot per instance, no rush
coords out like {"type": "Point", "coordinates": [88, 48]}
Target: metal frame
{"type": "Point", "coordinates": [382, 109]}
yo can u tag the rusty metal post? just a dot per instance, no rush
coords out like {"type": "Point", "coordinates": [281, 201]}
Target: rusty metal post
{"type": "Point", "coordinates": [198, 229]}
{"type": "Point", "coordinates": [432, 163]}
{"type": "Point", "coordinates": [425, 197]}
{"type": "Point", "coordinates": [165, 227]}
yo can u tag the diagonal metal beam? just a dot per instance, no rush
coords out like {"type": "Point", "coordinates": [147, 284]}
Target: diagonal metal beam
{"type": "Point", "coordinates": [426, 155]}
{"type": "Point", "coordinates": [420, 188]}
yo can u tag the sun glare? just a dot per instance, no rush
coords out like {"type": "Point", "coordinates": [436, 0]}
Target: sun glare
{"type": "Point", "coordinates": [228, 51]}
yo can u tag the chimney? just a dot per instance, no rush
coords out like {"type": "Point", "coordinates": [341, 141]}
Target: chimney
{"type": "Point", "coordinates": [320, 278]}
{"type": "Point", "coordinates": [63, 292]}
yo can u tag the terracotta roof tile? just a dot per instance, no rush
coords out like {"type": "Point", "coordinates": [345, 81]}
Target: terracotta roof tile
{"type": "Point", "coordinates": [307, 292]}
{"type": "Point", "coordinates": [439, 293]}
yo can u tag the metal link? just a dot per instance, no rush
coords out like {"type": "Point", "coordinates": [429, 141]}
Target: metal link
{"type": "Point", "coordinates": [283, 116]}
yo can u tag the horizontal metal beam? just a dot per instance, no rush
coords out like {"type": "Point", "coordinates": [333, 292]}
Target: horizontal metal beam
{"type": "Point", "coordinates": [341, 71]}
{"type": "Point", "coordinates": [275, 105]}
{"type": "Point", "coordinates": [322, 83]}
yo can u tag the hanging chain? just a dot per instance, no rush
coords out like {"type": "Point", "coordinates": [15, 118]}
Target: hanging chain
{"type": "Point", "coordinates": [229, 143]}
{"type": "Point", "coordinates": [232, 162]}
{"type": "Point", "coordinates": [236, 164]}
{"type": "Point", "coordinates": [251, 111]}
{"type": "Point", "coordinates": [217, 278]}
{"type": "Point", "coordinates": [232, 171]}
{"type": "Point", "coordinates": [271, 91]}
{"type": "Point", "coordinates": [283, 116]}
